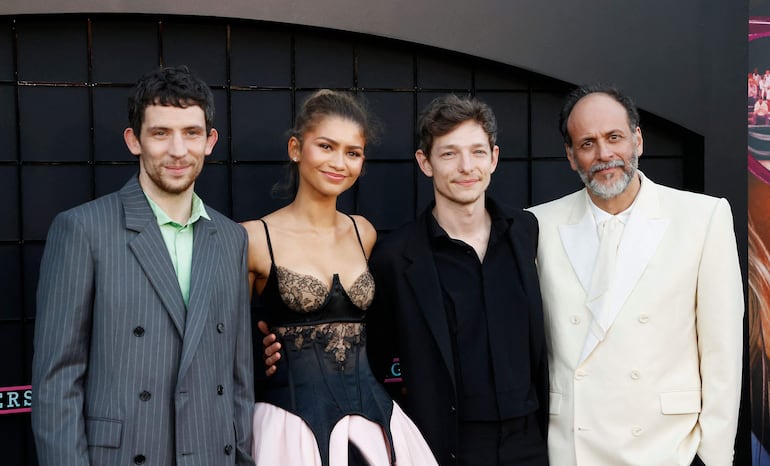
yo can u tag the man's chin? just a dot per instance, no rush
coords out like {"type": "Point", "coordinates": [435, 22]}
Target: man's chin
{"type": "Point", "coordinates": [465, 199]}
{"type": "Point", "coordinates": [608, 177]}
{"type": "Point", "coordinates": [608, 191]}
{"type": "Point", "coordinates": [177, 187]}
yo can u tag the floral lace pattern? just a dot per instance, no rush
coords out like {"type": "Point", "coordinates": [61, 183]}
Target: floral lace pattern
{"type": "Point", "coordinates": [361, 292]}
{"type": "Point", "coordinates": [300, 292]}
{"type": "Point", "coordinates": [306, 293]}
{"type": "Point", "coordinates": [340, 337]}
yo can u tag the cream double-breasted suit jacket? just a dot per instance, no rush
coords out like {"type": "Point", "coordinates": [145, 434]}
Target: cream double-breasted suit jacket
{"type": "Point", "coordinates": [664, 383]}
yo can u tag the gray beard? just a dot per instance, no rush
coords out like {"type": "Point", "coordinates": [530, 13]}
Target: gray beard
{"type": "Point", "coordinates": [605, 191]}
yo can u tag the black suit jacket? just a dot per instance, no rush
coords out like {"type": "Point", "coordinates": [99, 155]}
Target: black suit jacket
{"type": "Point", "coordinates": [407, 320]}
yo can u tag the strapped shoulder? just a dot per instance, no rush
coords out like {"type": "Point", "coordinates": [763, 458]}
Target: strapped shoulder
{"type": "Point", "coordinates": [358, 235]}
{"type": "Point", "coordinates": [269, 244]}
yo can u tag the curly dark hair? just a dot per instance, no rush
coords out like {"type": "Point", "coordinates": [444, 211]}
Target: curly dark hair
{"type": "Point", "coordinates": [172, 86]}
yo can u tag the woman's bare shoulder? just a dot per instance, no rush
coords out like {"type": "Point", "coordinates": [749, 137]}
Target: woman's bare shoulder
{"type": "Point", "coordinates": [367, 231]}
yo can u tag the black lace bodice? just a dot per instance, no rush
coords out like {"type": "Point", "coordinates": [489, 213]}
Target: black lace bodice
{"type": "Point", "coordinates": [323, 374]}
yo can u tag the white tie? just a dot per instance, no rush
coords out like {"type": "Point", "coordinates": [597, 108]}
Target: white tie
{"type": "Point", "coordinates": [603, 275]}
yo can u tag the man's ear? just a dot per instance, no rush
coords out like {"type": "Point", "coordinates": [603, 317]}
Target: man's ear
{"type": "Point", "coordinates": [495, 157]}
{"type": "Point", "coordinates": [639, 142]}
{"type": "Point", "coordinates": [211, 140]}
{"type": "Point", "coordinates": [132, 141]}
{"type": "Point", "coordinates": [424, 163]}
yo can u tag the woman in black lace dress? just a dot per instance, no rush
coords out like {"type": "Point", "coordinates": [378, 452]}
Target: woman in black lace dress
{"type": "Point", "coordinates": [308, 262]}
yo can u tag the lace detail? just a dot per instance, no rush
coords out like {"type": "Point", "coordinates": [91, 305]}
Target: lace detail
{"type": "Point", "coordinates": [361, 292]}
{"type": "Point", "coordinates": [306, 293]}
{"type": "Point", "coordinates": [338, 337]}
{"type": "Point", "coordinates": [300, 292]}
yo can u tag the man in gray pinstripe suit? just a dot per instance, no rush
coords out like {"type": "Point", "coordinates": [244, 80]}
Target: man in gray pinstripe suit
{"type": "Point", "coordinates": [143, 341]}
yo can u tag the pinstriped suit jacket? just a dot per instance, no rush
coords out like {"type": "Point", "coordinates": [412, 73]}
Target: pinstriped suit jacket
{"type": "Point", "coordinates": [122, 372]}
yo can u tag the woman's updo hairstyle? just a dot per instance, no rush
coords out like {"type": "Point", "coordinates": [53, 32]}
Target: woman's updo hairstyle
{"type": "Point", "coordinates": [322, 104]}
{"type": "Point", "coordinates": [327, 103]}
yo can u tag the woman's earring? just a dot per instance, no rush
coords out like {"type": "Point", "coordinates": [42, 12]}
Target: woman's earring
{"type": "Point", "coordinates": [295, 159]}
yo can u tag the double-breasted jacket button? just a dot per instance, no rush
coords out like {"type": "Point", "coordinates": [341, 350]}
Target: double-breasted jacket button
{"type": "Point", "coordinates": [574, 319]}
{"type": "Point", "coordinates": [228, 450]}
{"type": "Point", "coordinates": [220, 390]}
{"type": "Point", "coordinates": [635, 375]}
{"type": "Point", "coordinates": [644, 318]}
{"type": "Point", "coordinates": [220, 327]}
{"type": "Point", "coordinates": [452, 409]}
{"type": "Point", "coordinates": [636, 431]}
{"type": "Point", "coordinates": [580, 374]}
{"type": "Point", "coordinates": [138, 331]}
{"type": "Point", "coordinates": [145, 395]}
{"type": "Point", "coordinates": [452, 457]}
{"type": "Point", "coordinates": [139, 459]}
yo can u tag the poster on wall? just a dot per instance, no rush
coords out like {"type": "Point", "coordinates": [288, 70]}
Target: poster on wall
{"type": "Point", "coordinates": [758, 123]}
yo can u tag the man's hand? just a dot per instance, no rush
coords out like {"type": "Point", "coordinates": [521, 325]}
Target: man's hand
{"type": "Point", "coordinates": [272, 348]}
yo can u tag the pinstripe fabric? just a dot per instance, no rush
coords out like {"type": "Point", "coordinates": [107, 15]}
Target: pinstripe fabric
{"type": "Point", "coordinates": [121, 371]}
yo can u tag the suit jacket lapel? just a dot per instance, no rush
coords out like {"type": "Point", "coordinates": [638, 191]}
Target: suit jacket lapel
{"type": "Point", "coordinates": [580, 240]}
{"type": "Point", "coordinates": [640, 240]}
{"type": "Point", "coordinates": [421, 275]}
{"type": "Point", "coordinates": [204, 271]}
{"type": "Point", "coordinates": [151, 252]}
{"type": "Point", "coordinates": [638, 244]}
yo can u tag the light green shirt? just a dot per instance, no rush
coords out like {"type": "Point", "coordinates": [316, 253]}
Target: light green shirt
{"type": "Point", "coordinates": [179, 240]}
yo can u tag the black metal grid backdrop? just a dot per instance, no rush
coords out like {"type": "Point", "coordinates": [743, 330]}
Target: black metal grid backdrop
{"type": "Point", "coordinates": [63, 85]}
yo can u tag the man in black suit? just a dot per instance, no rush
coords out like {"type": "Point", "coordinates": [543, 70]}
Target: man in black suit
{"type": "Point", "coordinates": [458, 302]}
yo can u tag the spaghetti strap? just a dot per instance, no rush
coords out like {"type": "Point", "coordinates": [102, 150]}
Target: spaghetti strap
{"type": "Point", "coordinates": [270, 245]}
{"type": "Point", "coordinates": [358, 235]}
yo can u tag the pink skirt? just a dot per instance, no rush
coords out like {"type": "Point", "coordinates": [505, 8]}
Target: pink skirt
{"type": "Point", "coordinates": [283, 438]}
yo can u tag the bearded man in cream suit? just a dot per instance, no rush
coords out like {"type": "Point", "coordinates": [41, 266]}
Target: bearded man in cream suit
{"type": "Point", "coordinates": [644, 331]}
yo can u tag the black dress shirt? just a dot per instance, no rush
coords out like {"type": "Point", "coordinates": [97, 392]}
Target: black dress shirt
{"type": "Point", "coordinates": [471, 290]}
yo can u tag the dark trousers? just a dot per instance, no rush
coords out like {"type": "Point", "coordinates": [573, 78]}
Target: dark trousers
{"type": "Point", "coordinates": [513, 442]}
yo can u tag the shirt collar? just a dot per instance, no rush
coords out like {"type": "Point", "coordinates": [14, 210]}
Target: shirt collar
{"type": "Point", "coordinates": [501, 221]}
{"type": "Point", "coordinates": [197, 211]}
{"type": "Point", "coordinates": [601, 215]}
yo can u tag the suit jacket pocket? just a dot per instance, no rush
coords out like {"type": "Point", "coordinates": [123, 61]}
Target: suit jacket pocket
{"type": "Point", "coordinates": [103, 432]}
{"type": "Point", "coordinates": [681, 402]}
{"type": "Point", "coordinates": [554, 403]}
